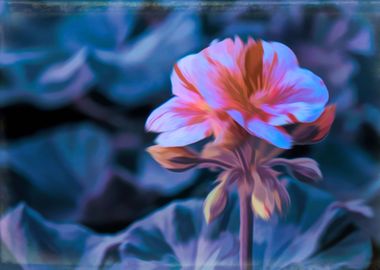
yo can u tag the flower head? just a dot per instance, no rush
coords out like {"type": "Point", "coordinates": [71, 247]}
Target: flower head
{"type": "Point", "coordinates": [257, 85]}
{"type": "Point", "coordinates": [232, 91]}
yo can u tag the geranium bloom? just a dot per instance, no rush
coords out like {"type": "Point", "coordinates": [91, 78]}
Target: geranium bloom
{"type": "Point", "coordinates": [259, 85]}
{"type": "Point", "coordinates": [233, 90]}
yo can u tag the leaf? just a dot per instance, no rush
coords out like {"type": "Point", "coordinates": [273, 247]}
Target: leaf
{"type": "Point", "coordinates": [141, 68]}
{"type": "Point", "coordinates": [62, 72]}
{"type": "Point", "coordinates": [60, 168]}
{"type": "Point", "coordinates": [70, 173]}
{"type": "Point", "coordinates": [41, 244]}
{"type": "Point", "coordinates": [104, 29]}
{"type": "Point", "coordinates": [348, 170]}
{"type": "Point", "coordinates": [47, 78]}
{"type": "Point", "coordinates": [177, 236]}
{"type": "Point", "coordinates": [356, 206]}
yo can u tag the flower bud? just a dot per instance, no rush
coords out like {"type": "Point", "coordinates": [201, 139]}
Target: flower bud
{"type": "Point", "coordinates": [173, 158]}
{"type": "Point", "coordinates": [215, 203]}
{"type": "Point", "coordinates": [303, 169]}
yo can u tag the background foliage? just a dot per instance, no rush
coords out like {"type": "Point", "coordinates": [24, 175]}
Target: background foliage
{"type": "Point", "coordinates": [78, 80]}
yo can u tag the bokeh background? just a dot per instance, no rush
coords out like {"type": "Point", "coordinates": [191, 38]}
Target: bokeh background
{"type": "Point", "coordinates": [78, 80]}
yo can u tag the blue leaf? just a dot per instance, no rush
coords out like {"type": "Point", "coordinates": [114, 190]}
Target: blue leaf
{"type": "Point", "coordinates": [178, 237]}
{"type": "Point", "coordinates": [70, 173]}
{"type": "Point", "coordinates": [142, 68]}
{"type": "Point", "coordinates": [60, 168]}
{"type": "Point", "coordinates": [106, 29]}
{"type": "Point", "coordinates": [48, 78]}
{"type": "Point", "coordinates": [36, 243]}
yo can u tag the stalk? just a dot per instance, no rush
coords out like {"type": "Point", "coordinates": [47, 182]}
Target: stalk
{"type": "Point", "coordinates": [246, 229]}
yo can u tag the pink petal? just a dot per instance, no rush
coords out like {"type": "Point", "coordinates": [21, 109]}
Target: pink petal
{"type": "Point", "coordinates": [305, 86]}
{"type": "Point", "coordinates": [172, 115]}
{"type": "Point", "coordinates": [263, 130]}
{"type": "Point", "coordinates": [300, 94]}
{"type": "Point", "coordinates": [213, 73]}
{"type": "Point", "coordinates": [317, 130]}
{"type": "Point", "coordinates": [183, 79]}
{"type": "Point", "coordinates": [286, 59]}
{"type": "Point", "coordinates": [226, 52]}
{"type": "Point", "coordinates": [283, 114]}
{"type": "Point", "coordinates": [293, 93]}
{"type": "Point", "coordinates": [271, 134]}
{"type": "Point", "coordinates": [185, 135]}
{"type": "Point", "coordinates": [194, 74]}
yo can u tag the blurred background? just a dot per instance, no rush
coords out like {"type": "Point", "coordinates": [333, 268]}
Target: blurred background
{"type": "Point", "coordinates": [78, 80]}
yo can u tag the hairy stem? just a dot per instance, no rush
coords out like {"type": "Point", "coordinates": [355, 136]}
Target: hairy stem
{"type": "Point", "coordinates": [246, 228]}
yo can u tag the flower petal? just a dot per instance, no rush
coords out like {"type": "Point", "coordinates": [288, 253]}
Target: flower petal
{"type": "Point", "coordinates": [301, 95]}
{"type": "Point", "coordinates": [182, 80]}
{"type": "Point", "coordinates": [257, 127]}
{"type": "Point", "coordinates": [293, 94]}
{"type": "Point", "coordinates": [185, 135]}
{"type": "Point", "coordinates": [172, 115]}
{"type": "Point", "coordinates": [214, 72]}
{"type": "Point", "coordinates": [271, 134]}
{"type": "Point", "coordinates": [316, 131]}
{"type": "Point", "coordinates": [225, 52]}
{"type": "Point", "coordinates": [286, 59]}
{"type": "Point", "coordinates": [197, 76]}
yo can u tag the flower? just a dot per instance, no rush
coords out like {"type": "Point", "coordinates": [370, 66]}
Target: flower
{"type": "Point", "coordinates": [233, 90]}
{"type": "Point", "coordinates": [258, 85]}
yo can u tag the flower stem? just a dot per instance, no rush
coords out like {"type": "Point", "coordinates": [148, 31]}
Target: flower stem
{"type": "Point", "coordinates": [246, 229]}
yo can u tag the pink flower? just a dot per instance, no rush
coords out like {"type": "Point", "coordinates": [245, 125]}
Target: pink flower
{"type": "Point", "coordinates": [258, 85]}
